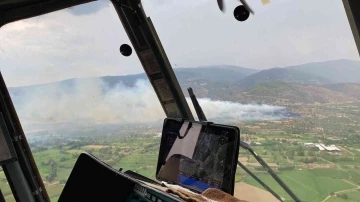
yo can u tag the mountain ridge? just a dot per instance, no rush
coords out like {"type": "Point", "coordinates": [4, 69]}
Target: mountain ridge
{"type": "Point", "coordinates": [340, 71]}
{"type": "Point", "coordinates": [226, 82]}
{"type": "Point", "coordinates": [284, 75]}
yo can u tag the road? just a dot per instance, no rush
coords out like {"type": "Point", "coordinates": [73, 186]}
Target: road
{"type": "Point", "coordinates": [345, 190]}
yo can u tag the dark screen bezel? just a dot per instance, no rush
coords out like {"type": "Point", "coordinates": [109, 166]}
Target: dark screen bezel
{"type": "Point", "coordinates": [233, 136]}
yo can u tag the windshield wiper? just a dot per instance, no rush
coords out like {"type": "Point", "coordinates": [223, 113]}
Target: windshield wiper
{"type": "Point", "coordinates": [246, 146]}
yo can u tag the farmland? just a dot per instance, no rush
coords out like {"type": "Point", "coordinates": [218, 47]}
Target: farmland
{"type": "Point", "coordinates": [312, 174]}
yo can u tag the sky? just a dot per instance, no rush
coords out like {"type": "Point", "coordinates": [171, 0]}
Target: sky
{"type": "Point", "coordinates": [84, 41]}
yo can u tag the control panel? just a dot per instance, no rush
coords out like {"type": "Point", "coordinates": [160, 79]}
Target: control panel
{"type": "Point", "coordinates": [143, 194]}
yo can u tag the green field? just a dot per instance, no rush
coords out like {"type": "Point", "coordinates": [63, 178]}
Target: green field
{"type": "Point", "coordinates": [311, 174]}
{"type": "Point", "coordinates": [144, 164]}
{"type": "Point", "coordinates": [54, 191]}
{"type": "Point", "coordinates": [308, 185]}
{"type": "Point", "coordinates": [353, 196]}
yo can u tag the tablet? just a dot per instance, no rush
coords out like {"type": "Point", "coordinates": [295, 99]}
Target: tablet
{"type": "Point", "coordinates": [198, 155]}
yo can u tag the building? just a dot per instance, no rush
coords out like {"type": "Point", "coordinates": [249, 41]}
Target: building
{"type": "Point", "coordinates": [322, 147]}
{"type": "Point", "coordinates": [309, 144]}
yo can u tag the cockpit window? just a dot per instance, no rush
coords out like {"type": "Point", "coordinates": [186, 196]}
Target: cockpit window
{"type": "Point", "coordinates": [288, 77]}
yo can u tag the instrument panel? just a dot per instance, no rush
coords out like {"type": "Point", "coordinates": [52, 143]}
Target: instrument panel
{"type": "Point", "coordinates": [143, 194]}
{"type": "Point", "coordinates": [93, 180]}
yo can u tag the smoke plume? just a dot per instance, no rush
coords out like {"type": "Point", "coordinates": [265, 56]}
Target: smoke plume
{"type": "Point", "coordinates": [93, 101]}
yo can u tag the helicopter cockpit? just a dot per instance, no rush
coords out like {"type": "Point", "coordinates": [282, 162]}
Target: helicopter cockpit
{"type": "Point", "coordinates": [197, 160]}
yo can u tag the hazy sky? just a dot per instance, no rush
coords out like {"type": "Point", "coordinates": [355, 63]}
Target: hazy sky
{"type": "Point", "coordinates": [84, 41]}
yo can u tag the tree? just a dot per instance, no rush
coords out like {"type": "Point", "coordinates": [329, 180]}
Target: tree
{"type": "Point", "coordinates": [343, 196]}
{"type": "Point", "coordinates": [311, 153]}
{"type": "Point", "coordinates": [300, 153]}
{"type": "Point", "coordinates": [290, 153]}
{"type": "Point", "coordinates": [62, 159]}
{"type": "Point", "coordinates": [53, 170]}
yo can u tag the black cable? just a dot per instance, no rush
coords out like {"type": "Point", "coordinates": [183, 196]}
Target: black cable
{"type": "Point", "coordinates": [259, 181]}
{"type": "Point", "coordinates": [270, 171]}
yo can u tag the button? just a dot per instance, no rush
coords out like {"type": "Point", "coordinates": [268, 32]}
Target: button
{"type": "Point", "coordinates": [153, 198]}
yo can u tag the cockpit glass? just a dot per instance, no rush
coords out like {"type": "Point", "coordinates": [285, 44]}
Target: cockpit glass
{"type": "Point", "coordinates": [287, 76]}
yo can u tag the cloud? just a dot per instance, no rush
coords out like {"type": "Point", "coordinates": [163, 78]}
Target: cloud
{"type": "Point", "coordinates": [84, 41]}
{"type": "Point", "coordinates": [60, 45]}
{"type": "Point", "coordinates": [89, 8]}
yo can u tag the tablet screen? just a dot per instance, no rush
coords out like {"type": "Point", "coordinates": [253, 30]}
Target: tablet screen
{"type": "Point", "coordinates": [206, 168]}
{"type": "Point", "coordinates": [198, 157]}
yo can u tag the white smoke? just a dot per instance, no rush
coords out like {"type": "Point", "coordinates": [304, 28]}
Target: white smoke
{"type": "Point", "coordinates": [87, 102]}
{"type": "Point", "coordinates": [232, 112]}
{"type": "Point", "coordinates": [91, 101]}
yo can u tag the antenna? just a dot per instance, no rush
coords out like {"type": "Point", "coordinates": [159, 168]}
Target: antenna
{"type": "Point", "coordinates": [244, 145]}
{"type": "Point", "coordinates": [197, 106]}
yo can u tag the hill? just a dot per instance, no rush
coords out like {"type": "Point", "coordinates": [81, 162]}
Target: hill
{"type": "Point", "coordinates": [275, 92]}
{"type": "Point", "coordinates": [228, 83]}
{"type": "Point", "coordinates": [208, 81]}
{"type": "Point", "coordinates": [283, 75]}
{"type": "Point", "coordinates": [340, 71]}
{"type": "Point", "coordinates": [220, 73]}
{"type": "Point", "coordinates": [272, 92]}
{"type": "Point", "coordinates": [286, 93]}
{"type": "Point", "coordinates": [351, 89]}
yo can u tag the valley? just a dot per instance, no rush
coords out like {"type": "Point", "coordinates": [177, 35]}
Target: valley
{"type": "Point", "coordinates": [118, 119]}
{"type": "Point", "coordinates": [312, 174]}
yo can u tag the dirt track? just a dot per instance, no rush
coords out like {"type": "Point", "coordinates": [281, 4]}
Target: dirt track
{"type": "Point", "coordinates": [252, 194]}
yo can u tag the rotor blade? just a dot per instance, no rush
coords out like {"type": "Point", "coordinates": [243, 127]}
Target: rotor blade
{"type": "Point", "coordinates": [221, 5]}
{"type": "Point", "coordinates": [247, 6]}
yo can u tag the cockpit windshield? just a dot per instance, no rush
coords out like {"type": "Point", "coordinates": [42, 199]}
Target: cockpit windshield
{"type": "Point", "coordinates": [288, 76]}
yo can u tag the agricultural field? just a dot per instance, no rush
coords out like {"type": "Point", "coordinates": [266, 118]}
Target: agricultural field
{"type": "Point", "coordinates": [312, 174]}
{"type": "Point", "coordinates": [307, 184]}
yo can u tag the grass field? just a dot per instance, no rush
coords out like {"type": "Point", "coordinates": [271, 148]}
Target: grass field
{"type": "Point", "coordinates": [354, 196]}
{"type": "Point", "coordinates": [54, 190]}
{"type": "Point", "coordinates": [140, 153]}
{"type": "Point", "coordinates": [9, 198]}
{"type": "Point", "coordinates": [5, 188]}
{"type": "Point", "coordinates": [330, 173]}
{"type": "Point", "coordinates": [307, 184]}
{"type": "Point", "coordinates": [144, 164]}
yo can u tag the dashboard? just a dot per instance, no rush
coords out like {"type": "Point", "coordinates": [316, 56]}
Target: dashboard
{"type": "Point", "coordinates": [93, 180]}
{"type": "Point", "coordinates": [143, 194]}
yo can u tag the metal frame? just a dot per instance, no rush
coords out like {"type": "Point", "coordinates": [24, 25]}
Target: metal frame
{"type": "Point", "coordinates": [8, 153]}
{"type": "Point", "coordinates": [352, 8]}
{"type": "Point", "coordinates": [24, 172]}
{"type": "Point", "coordinates": [2, 199]}
{"type": "Point", "coordinates": [23, 176]}
{"type": "Point", "coordinates": [153, 58]}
